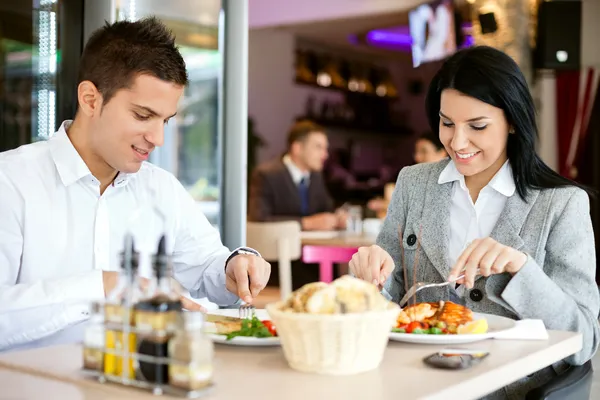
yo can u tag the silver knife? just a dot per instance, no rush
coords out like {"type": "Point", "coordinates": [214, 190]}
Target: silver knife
{"type": "Point", "coordinates": [220, 318]}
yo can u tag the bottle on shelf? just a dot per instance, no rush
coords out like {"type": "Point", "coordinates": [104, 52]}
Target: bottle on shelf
{"type": "Point", "coordinates": [156, 318]}
{"type": "Point", "coordinates": [191, 354]}
{"type": "Point", "coordinates": [302, 68]}
{"type": "Point", "coordinates": [120, 340]}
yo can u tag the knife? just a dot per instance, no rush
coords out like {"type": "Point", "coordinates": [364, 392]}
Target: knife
{"type": "Point", "coordinates": [221, 318]}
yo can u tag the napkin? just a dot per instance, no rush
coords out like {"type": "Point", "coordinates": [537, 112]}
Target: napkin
{"type": "Point", "coordinates": [526, 329]}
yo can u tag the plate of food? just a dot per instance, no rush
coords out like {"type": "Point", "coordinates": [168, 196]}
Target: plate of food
{"type": "Point", "coordinates": [224, 326]}
{"type": "Point", "coordinates": [446, 322]}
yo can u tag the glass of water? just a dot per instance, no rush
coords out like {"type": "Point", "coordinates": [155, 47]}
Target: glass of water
{"type": "Point", "coordinates": [354, 221]}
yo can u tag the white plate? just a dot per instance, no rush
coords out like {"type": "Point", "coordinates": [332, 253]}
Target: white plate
{"type": "Point", "coordinates": [241, 340]}
{"type": "Point", "coordinates": [495, 324]}
{"type": "Point", "coordinates": [245, 341]}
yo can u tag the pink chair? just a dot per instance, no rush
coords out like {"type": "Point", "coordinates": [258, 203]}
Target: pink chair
{"type": "Point", "coordinates": [327, 256]}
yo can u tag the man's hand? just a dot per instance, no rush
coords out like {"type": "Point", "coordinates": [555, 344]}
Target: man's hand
{"type": "Point", "coordinates": [247, 275]}
{"type": "Point", "coordinates": [320, 222]}
{"type": "Point", "coordinates": [342, 218]}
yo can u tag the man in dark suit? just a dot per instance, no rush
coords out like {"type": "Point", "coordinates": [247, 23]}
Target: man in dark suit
{"type": "Point", "coordinates": [292, 187]}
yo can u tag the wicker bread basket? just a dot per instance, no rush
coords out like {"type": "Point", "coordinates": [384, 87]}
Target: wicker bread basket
{"type": "Point", "coordinates": [338, 344]}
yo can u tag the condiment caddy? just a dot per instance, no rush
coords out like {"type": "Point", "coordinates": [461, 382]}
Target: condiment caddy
{"type": "Point", "coordinates": [141, 337]}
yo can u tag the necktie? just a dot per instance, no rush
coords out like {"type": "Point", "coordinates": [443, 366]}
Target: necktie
{"type": "Point", "coordinates": [303, 191]}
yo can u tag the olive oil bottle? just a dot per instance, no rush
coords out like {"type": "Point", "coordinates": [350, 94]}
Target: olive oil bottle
{"type": "Point", "coordinates": [120, 339]}
{"type": "Point", "coordinates": [156, 318]}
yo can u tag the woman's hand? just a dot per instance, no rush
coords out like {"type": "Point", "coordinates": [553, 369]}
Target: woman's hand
{"type": "Point", "coordinates": [486, 257]}
{"type": "Point", "coordinates": [372, 264]}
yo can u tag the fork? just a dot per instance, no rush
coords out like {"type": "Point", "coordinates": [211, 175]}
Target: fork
{"type": "Point", "coordinates": [417, 287]}
{"type": "Point", "coordinates": [246, 311]}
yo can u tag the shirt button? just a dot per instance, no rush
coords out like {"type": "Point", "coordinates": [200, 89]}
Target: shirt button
{"type": "Point", "coordinates": [476, 295]}
{"type": "Point", "coordinates": [411, 240]}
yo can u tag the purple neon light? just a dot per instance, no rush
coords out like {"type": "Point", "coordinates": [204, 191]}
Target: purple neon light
{"type": "Point", "coordinates": [389, 38]}
{"type": "Point", "coordinates": [399, 37]}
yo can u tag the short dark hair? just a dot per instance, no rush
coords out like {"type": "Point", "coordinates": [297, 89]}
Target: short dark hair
{"type": "Point", "coordinates": [433, 138]}
{"type": "Point", "coordinates": [491, 76]}
{"type": "Point", "coordinates": [301, 130]}
{"type": "Point", "coordinates": [116, 53]}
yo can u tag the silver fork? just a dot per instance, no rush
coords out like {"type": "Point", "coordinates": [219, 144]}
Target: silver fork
{"type": "Point", "coordinates": [417, 287]}
{"type": "Point", "coordinates": [246, 311]}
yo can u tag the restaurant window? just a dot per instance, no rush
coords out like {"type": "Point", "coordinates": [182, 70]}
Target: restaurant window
{"type": "Point", "coordinates": [40, 40]}
{"type": "Point", "coordinates": [191, 144]}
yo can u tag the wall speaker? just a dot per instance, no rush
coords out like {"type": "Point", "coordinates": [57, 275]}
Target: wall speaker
{"type": "Point", "coordinates": [488, 23]}
{"type": "Point", "coordinates": [558, 43]}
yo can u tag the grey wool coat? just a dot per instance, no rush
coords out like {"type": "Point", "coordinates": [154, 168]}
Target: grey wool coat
{"type": "Point", "coordinates": [557, 283]}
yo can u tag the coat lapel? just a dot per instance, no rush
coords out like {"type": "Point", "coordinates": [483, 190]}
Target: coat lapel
{"type": "Point", "coordinates": [434, 224]}
{"type": "Point", "coordinates": [507, 230]}
{"type": "Point", "coordinates": [290, 186]}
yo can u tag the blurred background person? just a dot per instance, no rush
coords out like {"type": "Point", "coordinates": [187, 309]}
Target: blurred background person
{"type": "Point", "coordinates": [292, 187]}
{"type": "Point", "coordinates": [428, 149]}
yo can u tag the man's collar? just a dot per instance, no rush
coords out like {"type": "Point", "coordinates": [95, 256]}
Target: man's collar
{"type": "Point", "coordinates": [503, 182]}
{"type": "Point", "coordinates": [69, 164]}
{"type": "Point", "coordinates": [297, 173]}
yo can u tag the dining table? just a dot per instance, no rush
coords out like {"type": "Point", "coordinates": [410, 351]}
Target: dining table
{"type": "Point", "coordinates": [262, 373]}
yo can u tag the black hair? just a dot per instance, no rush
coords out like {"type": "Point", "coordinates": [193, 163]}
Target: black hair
{"type": "Point", "coordinates": [117, 52]}
{"type": "Point", "coordinates": [433, 138]}
{"type": "Point", "coordinates": [491, 76]}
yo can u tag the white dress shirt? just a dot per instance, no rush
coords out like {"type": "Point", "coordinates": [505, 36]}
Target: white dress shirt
{"type": "Point", "coordinates": [57, 235]}
{"type": "Point", "coordinates": [468, 220]}
{"type": "Point", "coordinates": [296, 173]}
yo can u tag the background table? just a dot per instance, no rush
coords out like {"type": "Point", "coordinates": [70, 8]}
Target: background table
{"type": "Point", "coordinates": [330, 248]}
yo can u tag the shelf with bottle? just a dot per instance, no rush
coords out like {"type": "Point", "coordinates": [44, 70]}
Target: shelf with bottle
{"type": "Point", "coordinates": [334, 73]}
{"type": "Point", "coordinates": [356, 114]}
{"type": "Point", "coordinates": [141, 337]}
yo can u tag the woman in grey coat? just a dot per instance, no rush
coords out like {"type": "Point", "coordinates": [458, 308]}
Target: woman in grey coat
{"type": "Point", "coordinates": [521, 232]}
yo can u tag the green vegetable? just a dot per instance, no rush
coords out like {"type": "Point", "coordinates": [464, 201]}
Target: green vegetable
{"type": "Point", "coordinates": [398, 330]}
{"type": "Point", "coordinates": [435, 331]}
{"type": "Point", "coordinates": [420, 331]}
{"type": "Point", "coordinates": [251, 327]}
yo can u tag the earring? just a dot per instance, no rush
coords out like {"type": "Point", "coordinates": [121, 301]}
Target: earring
{"type": "Point", "coordinates": [511, 131]}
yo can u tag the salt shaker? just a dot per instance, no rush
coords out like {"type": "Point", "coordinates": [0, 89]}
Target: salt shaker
{"type": "Point", "coordinates": [191, 353]}
{"type": "Point", "coordinates": [93, 339]}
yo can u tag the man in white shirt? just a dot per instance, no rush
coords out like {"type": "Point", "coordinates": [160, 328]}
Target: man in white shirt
{"type": "Point", "coordinates": [67, 203]}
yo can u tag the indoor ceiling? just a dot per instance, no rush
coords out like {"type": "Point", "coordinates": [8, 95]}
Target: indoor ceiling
{"type": "Point", "coordinates": [338, 33]}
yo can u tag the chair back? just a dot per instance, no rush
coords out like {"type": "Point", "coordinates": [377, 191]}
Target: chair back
{"type": "Point", "coordinates": [280, 242]}
{"type": "Point", "coordinates": [270, 238]}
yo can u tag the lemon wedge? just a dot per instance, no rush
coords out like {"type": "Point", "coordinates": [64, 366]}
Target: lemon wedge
{"type": "Point", "coordinates": [476, 327]}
